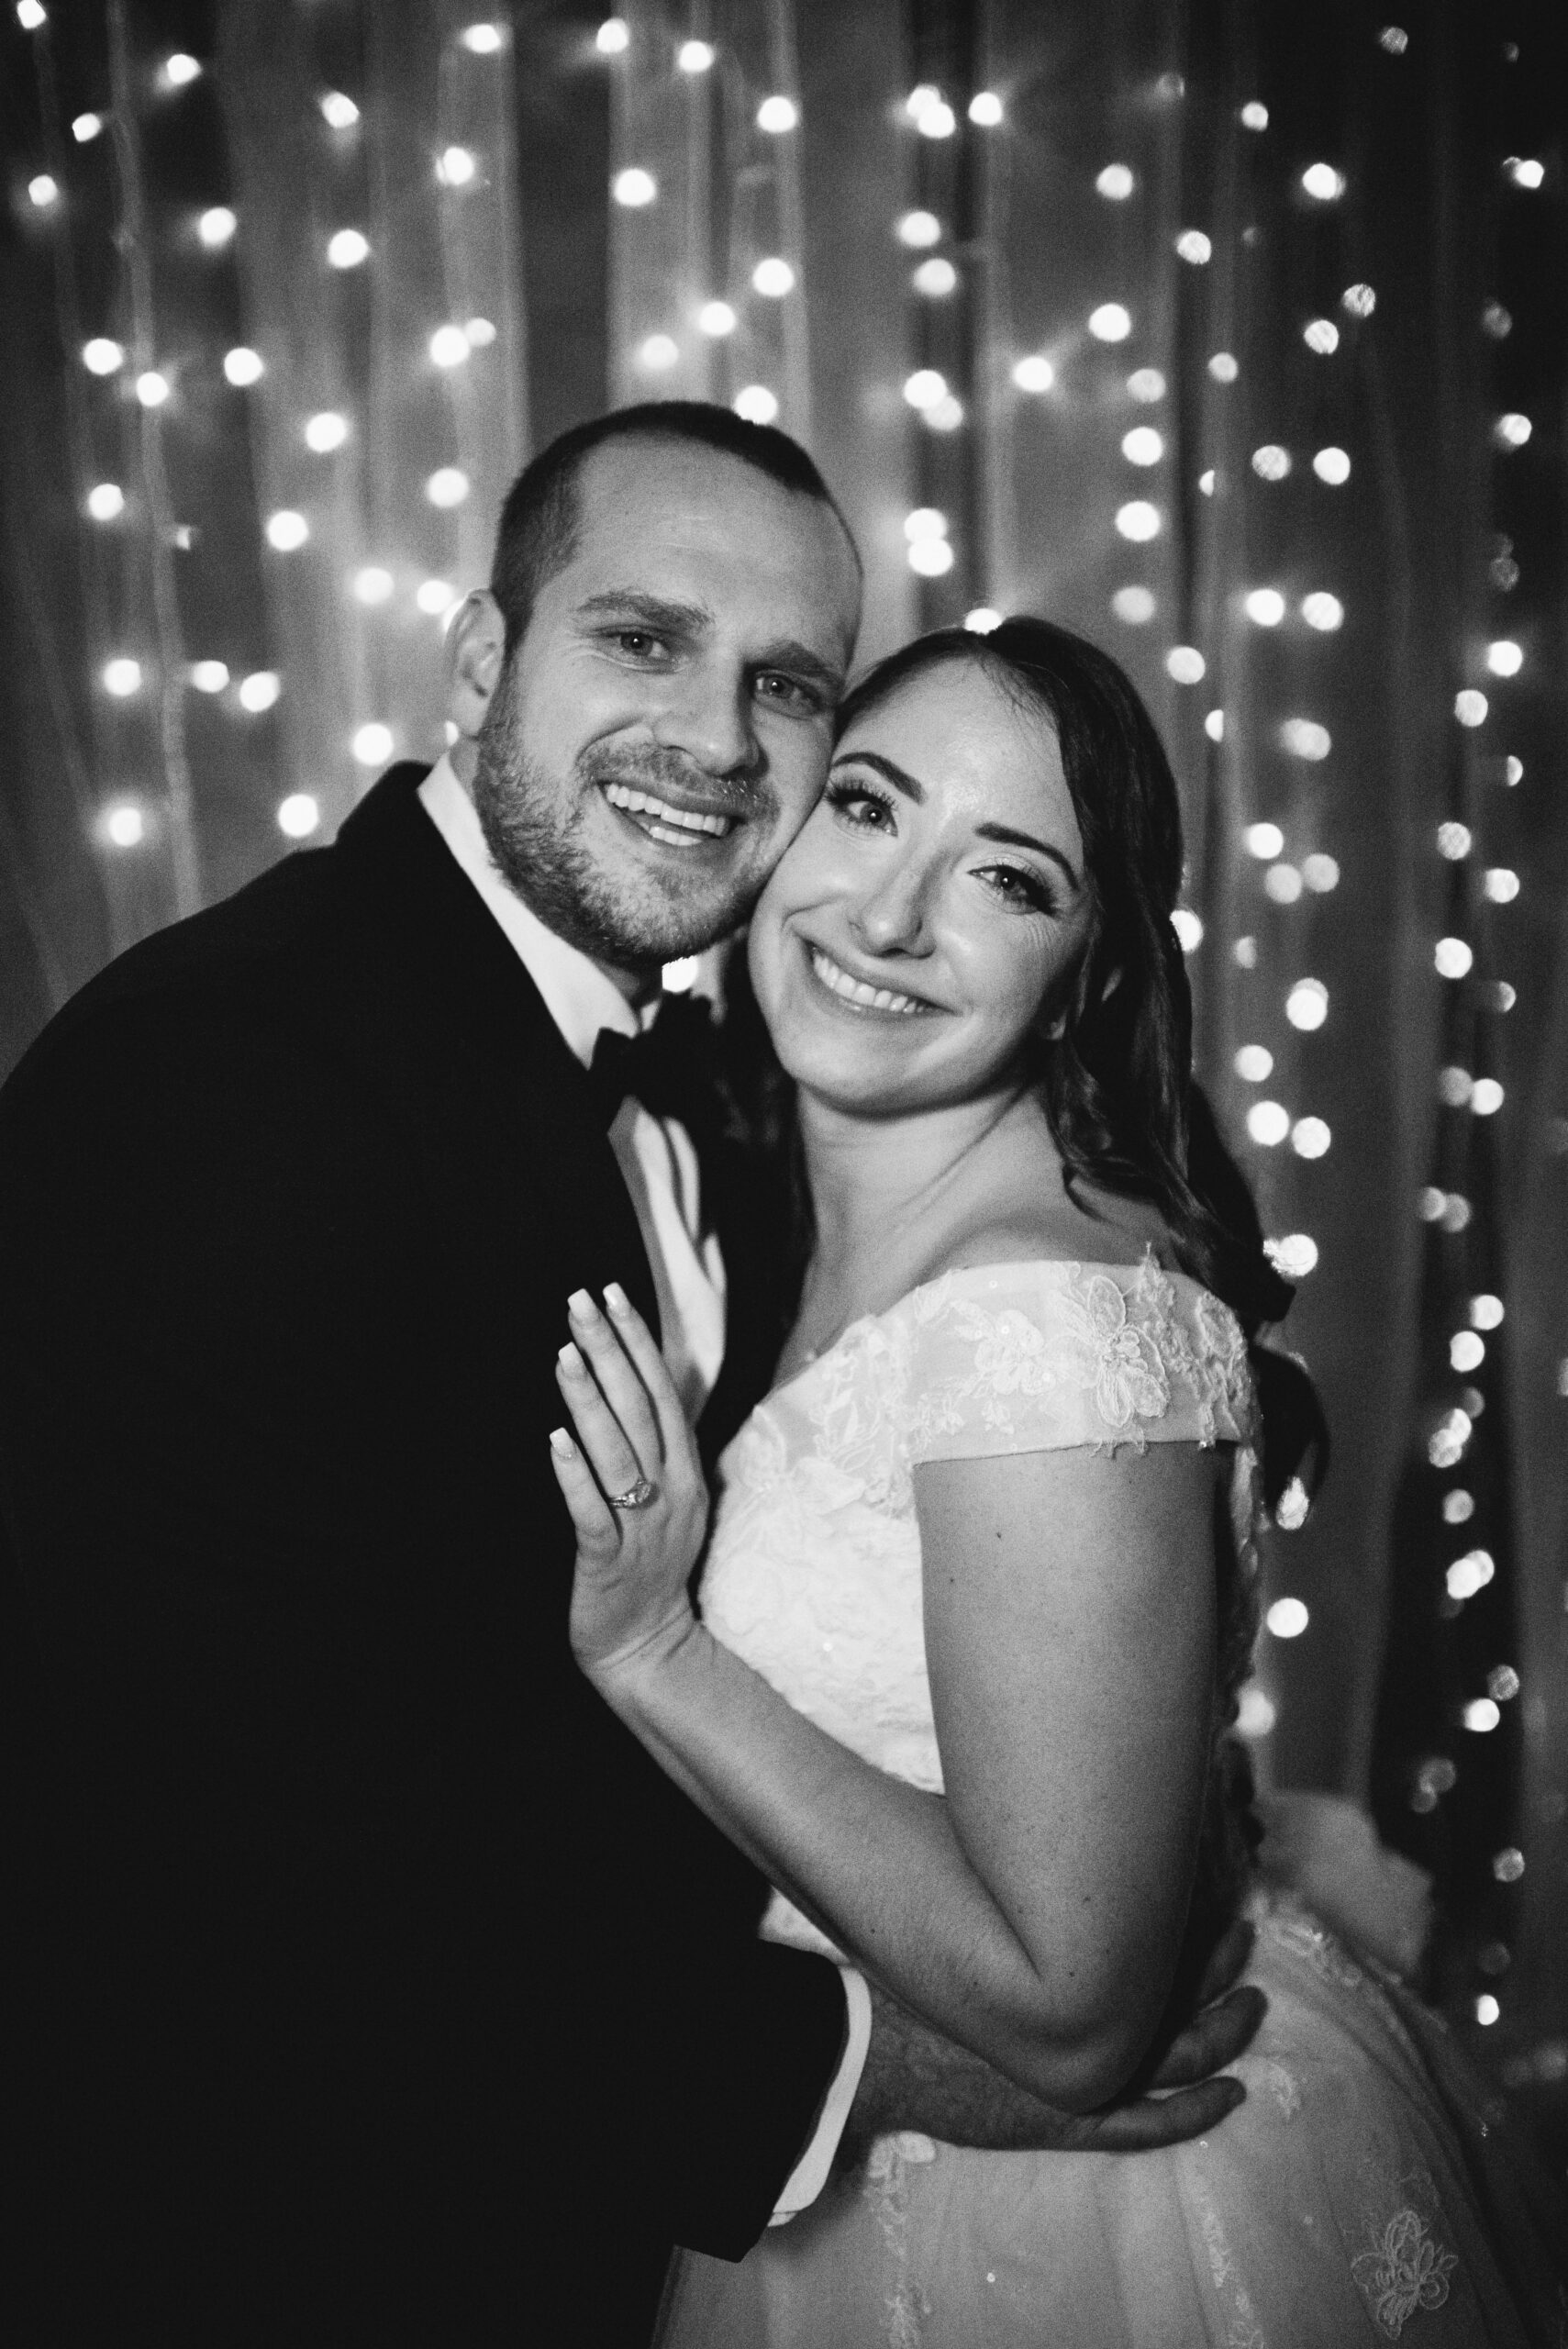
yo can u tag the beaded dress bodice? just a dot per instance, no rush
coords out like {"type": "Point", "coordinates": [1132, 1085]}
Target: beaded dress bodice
{"type": "Point", "coordinates": [813, 1573]}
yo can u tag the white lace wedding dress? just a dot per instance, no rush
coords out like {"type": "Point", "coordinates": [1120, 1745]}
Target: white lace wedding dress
{"type": "Point", "coordinates": [1337, 2206]}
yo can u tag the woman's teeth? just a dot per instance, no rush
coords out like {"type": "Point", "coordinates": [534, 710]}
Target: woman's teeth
{"type": "Point", "coordinates": [678, 826]}
{"type": "Point", "coordinates": [856, 991]}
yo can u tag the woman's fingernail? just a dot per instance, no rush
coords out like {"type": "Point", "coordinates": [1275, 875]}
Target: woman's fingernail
{"type": "Point", "coordinates": [571, 1362]}
{"type": "Point", "coordinates": [560, 1443]}
{"type": "Point", "coordinates": [582, 1304]}
{"type": "Point", "coordinates": [617, 1300]}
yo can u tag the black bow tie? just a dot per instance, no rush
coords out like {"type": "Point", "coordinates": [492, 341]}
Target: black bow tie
{"type": "Point", "coordinates": [671, 1066]}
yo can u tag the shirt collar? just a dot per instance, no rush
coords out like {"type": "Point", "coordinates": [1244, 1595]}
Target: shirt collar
{"type": "Point", "coordinates": [577, 994]}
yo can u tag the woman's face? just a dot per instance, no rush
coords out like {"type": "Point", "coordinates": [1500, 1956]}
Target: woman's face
{"type": "Point", "coordinates": [907, 941]}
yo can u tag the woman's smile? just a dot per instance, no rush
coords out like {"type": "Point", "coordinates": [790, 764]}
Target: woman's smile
{"type": "Point", "coordinates": [861, 996]}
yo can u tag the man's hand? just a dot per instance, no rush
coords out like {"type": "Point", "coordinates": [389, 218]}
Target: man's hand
{"type": "Point", "coordinates": [914, 2079]}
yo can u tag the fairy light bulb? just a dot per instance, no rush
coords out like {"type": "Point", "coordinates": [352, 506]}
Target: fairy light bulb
{"type": "Point", "coordinates": [446, 487]}
{"type": "Point", "coordinates": [340, 110]}
{"type": "Point", "coordinates": [756, 403]}
{"type": "Point", "coordinates": [1112, 322]}
{"type": "Point", "coordinates": [216, 226]}
{"type": "Point", "coordinates": [773, 278]}
{"type": "Point", "coordinates": [1138, 520]}
{"type": "Point", "coordinates": [299, 815]}
{"type": "Point", "coordinates": [1034, 374]}
{"type": "Point", "coordinates": [1322, 183]}
{"type": "Point", "coordinates": [372, 745]}
{"type": "Point", "coordinates": [1134, 607]}
{"type": "Point", "coordinates": [1116, 182]}
{"type": "Point", "coordinates": [347, 248]}
{"type": "Point", "coordinates": [634, 188]}
{"type": "Point", "coordinates": [125, 826]}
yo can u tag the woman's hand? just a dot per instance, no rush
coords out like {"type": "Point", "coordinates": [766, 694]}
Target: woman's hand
{"type": "Point", "coordinates": [633, 1484]}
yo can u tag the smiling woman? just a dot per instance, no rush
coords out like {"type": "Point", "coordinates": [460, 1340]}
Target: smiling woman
{"type": "Point", "coordinates": [894, 905]}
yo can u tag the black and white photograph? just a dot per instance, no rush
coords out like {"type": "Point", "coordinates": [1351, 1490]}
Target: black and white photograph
{"type": "Point", "coordinates": [783, 1175]}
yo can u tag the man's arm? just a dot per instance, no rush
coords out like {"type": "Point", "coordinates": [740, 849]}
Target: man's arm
{"type": "Point", "coordinates": [914, 2079]}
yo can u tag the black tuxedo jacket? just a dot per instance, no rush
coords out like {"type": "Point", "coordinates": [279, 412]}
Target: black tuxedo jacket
{"type": "Point", "coordinates": [370, 1984]}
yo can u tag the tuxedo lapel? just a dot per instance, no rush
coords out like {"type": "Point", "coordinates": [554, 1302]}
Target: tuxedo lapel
{"type": "Point", "coordinates": [434, 1004]}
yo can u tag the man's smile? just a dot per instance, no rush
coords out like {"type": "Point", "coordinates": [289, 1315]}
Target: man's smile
{"type": "Point", "coordinates": [661, 820]}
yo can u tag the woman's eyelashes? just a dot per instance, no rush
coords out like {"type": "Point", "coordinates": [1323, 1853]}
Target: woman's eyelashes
{"type": "Point", "coordinates": [1017, 888]}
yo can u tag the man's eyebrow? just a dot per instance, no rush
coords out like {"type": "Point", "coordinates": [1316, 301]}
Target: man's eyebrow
{"type": "Point", "coordinates": [907, 785]}
{"type": "Point", "coordinates": [654, 611]}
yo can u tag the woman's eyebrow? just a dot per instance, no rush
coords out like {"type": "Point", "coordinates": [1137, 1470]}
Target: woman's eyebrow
{"type": "Point", "coordinates": [896, 776]}
{"type": "Point", "coordinates": [1027, 839]}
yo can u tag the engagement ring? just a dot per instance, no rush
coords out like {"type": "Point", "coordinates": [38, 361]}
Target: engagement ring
{"type": "Point", "coordinates": [635, 1495]}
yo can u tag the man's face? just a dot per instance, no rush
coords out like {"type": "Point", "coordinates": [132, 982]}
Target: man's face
{"type": "Point", "coordinates": [662, 731]}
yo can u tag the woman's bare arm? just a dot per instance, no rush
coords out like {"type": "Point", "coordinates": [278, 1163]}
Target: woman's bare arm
{"type": "Point", "coordinates": [1033, 1915]}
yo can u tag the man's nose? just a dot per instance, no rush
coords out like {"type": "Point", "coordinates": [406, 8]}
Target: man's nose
{"type": "Point", "coordinates": [708, 716]}
{"type": "Point", "coordinates": [892, 918]}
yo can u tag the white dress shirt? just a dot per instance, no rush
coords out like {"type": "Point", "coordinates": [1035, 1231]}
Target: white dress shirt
{"type": "Point", "coordinates": [659, 1167]}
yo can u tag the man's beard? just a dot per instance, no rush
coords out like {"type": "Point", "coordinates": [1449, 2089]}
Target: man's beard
{"type": "Point", "coordinates": [534, 830]}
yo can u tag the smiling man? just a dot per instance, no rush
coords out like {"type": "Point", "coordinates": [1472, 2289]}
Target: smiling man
{"type": "Point", "coordinates": [372, 1983]}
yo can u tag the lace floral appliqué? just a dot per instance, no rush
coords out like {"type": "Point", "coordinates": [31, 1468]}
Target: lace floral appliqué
{"type": "Point", "coordinates": [1404, 2271]}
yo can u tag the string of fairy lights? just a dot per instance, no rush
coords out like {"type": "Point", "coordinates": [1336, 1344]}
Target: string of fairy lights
{"type": "Point", "coordinates": [126, 822]}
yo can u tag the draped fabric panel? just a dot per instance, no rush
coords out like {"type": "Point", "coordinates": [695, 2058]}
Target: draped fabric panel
{"type": "Point", "coordinates": [1225, 303]}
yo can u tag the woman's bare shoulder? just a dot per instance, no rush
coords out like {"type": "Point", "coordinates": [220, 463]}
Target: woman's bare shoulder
{"type": "Point", "coordinates": [1102, 1230]}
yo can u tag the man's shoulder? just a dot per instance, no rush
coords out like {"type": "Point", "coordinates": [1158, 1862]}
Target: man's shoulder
{"type": "Point", "coordinates": [222, 983]}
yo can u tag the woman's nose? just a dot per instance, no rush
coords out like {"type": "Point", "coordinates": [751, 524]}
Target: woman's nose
{"type": "Point", "coordinates": [891, 919]}
{"type": "Point", "coordinates": [710, 719]}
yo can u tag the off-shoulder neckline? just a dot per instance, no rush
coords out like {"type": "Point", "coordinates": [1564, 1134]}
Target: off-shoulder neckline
{"type": "Point", "coordinates": [1148, 1263]}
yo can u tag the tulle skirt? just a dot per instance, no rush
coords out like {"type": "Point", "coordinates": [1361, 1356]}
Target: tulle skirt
{"type": "Point", "coordinates": [1367, 2185]}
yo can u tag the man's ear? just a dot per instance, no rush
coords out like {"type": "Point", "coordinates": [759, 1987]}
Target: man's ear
{"type": "Point", "coordinates": [475, 658]}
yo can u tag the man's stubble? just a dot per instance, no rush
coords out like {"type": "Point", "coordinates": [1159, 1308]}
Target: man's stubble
{"type": "Point", "coordinates": [534, 828]}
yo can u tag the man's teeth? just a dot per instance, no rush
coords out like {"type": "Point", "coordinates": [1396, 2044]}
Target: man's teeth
{"type": "Point", "coordinates": [856, 991]}
{"type": "Point", "coordinates": [684, 819]}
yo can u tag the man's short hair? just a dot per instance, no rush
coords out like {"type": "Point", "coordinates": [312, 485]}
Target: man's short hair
{"type": "Point", "coordinates": [539, 520]}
